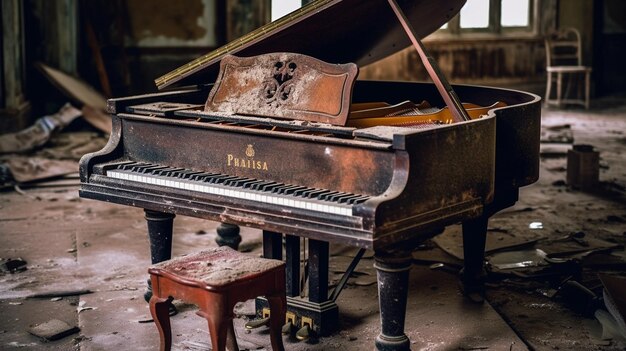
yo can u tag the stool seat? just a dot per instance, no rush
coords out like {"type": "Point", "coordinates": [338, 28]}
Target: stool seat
{"type": "Point", "coordinates": [215, 280]}
{"type": "Point", "coordinates": [214, 269]}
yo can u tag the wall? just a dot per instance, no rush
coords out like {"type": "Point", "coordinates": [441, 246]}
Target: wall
{"type": "Point", "coordinates": [165, 35]}
{"type": "Point", "coordinates": [14, 105]}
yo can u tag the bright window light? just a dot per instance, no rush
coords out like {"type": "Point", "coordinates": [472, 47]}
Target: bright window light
{"type": "Point", "coordinates": [283, 7]}
{"type": "Point", "coordinates": [475, 14]}
{"type": "Point", "coordinates": [515, 13]}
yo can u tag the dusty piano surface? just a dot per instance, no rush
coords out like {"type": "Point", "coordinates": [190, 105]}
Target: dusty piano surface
{"type": "Point", "coordinates": [382, 188]}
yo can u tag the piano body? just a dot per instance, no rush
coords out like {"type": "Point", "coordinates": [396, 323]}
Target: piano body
{"type": "Point", "coordinates": [382, 188]}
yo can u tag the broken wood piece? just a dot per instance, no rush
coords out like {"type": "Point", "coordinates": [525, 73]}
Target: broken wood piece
{"type": "Point", "coordinates": [53, 330]}
{"type": "Point", "coordinates": [59, 293]}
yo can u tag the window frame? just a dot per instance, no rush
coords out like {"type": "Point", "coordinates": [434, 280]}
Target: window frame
{"type": "Point", "coordinates": [494, 29]}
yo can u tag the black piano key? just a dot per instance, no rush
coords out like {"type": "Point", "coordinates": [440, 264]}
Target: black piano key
{"type": "Point", "coordinates": [168, 172]}
{"type": "Point", "coordinates": [150, 169]}
{"type": "Point", "coordinates": [175, 172]}
{"type": "Point", "coordinates": [345, 199]}
{"type": "Point", "coordinates": [205, 176]}
{"type": "Point", "coordinates": [185, 174]}
{"type": "Point", "coordinates": [281, 188]}
{"type": "Point", "coordinates": [326, 196]}
{"type": "Point", "coordinates": [219, 179]}
{"type": "Point", "coordinates": [200, 177]}
{"type": "Point", "coordinates": [181, 173]}
{"type": "Point", "coordinates": [292, 189]}
{"type": "Point", "coordinates": [158, 170]}
{"type": "Point", "coordinates": [116, 165]}
{"type": "Point", "coordinates": [317, 193]}
{"type": "Point", "coordinates": [336, 197]}
{"type": "Point", "coordinates": [303, 191]}
{"type": "Point", "coordinates": [137, 166]}
{"type": "Point", "coordinates": [357, 200]}
{"type": "Point", "coordinates": [236, 182]}
{"type": "Point", "coordinates": [127, 166]}
{"type": "Point", "coordinates": [252, 183]}
{"type": "Point", "coordinates": [270, 186]}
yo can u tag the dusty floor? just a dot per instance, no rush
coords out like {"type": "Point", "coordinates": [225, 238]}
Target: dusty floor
{"type": "Point", "coordinates": [74, 244]}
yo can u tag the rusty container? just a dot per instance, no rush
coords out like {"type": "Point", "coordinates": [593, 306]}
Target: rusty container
{"type": "Point", "coordinates": [583, 167]}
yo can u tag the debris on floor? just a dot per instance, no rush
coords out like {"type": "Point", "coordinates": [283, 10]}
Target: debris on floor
{"type": "Point", "coordinates": [30, 169]}
{"type": "Point", "coordinates": [76, 89]}
{"type": "Point", "coordinates": [39, 133]}
{"type": "Point", "coordinates": [556, 140]}
{"type": "Point", "coordinates": [559, 133]}
{"type": "Point", "coordinates": [55, 165]}
{"type": "Point", "coordinates": [53, 330]}
{"type": "Point", "coordinates": [14, 265]}
{"type": "Point", "coordinates": [59, 293]}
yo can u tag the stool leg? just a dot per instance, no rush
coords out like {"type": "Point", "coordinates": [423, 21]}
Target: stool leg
{"type": "Point", "coordinates": [159, 308]}
{"type": "Point", "coordinates": [278, 308]}
{"type": "Point", "coordinates": [231, 338]}
{"type": "Point", "coordinates": [218, 328]}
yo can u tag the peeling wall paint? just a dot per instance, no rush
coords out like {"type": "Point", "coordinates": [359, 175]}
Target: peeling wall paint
{"type": "Point", "coordinates": [163, 23]}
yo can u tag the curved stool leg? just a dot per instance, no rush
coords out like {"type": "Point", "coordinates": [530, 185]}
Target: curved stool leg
{"type": "Point", "coordinates": [278, 306]}
{"type": "Point", "coordinates": [231, 338]}
{"type": "Point", "coordinates": [218, 328]}
{"type": "Point", "coordinates": [159, 308]}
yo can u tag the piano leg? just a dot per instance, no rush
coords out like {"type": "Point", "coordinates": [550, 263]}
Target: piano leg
{"type": "Point", "coordinates": [393, 283]}
{"type": "Point", "coordinates": [160, 226]}
{"type": "Point", "coordinates": [318, 270]}
{"type": "Point", "coordinates": [272, 245]}
{"type": "Point", "coordinates": [473, 274]}
{"type": "Point", "coordinates": [292, 262]}
{"type": "Point", "coordinates": [228, 235]}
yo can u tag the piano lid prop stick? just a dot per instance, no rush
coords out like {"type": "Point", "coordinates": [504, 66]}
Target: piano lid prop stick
{"type": "Point", "coordinates": [445, 89]}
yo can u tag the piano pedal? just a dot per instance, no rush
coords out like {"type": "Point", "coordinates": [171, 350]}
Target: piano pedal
{"type": "Point", "coordinates": [290, 323]}
{"type": "Point", "coordinates": [305, 332]}
{"type": "Point", "coordinates": [287, 328]}
{"type": "Point", "coordinates": [257, 323]}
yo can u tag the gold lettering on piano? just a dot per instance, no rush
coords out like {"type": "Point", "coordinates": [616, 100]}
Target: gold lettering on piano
{"type": "Point", "coordinates": [249, 162]}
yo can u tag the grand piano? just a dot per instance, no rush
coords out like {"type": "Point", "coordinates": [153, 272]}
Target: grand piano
{"type": "Point", "coordinates": [385, 188]}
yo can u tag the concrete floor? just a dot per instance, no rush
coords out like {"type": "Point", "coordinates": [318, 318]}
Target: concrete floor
{"type": "Point", "coordinates": [73, 244]}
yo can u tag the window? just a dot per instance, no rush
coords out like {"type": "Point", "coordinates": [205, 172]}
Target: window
{"type": "Point", "coordinates": [492, 16]}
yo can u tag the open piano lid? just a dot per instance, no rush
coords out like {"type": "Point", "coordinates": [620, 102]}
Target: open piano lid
{"type": "Point", "coordinates": [336, 31]}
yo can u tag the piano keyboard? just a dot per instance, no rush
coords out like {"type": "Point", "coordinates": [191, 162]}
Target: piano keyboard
{"type": "Point", "coordinates": [287, 195]}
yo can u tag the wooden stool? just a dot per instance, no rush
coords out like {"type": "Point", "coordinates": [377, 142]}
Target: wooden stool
{"type": "Point", "coordinates": [215, 280]}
